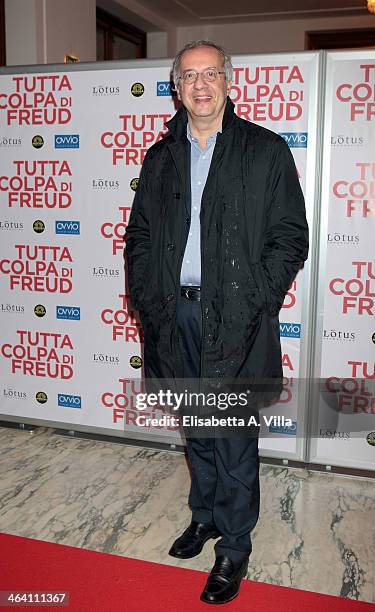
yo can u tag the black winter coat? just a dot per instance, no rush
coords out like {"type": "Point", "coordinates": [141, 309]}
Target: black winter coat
{"type": "Point", "coordinates": [254, 239]}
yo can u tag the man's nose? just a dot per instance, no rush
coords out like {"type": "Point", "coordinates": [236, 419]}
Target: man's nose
{"type": "Point", "coordinates": [199, 81]}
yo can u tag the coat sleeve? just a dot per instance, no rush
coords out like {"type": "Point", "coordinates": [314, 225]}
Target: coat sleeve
{"type": "Point", "coordinates": [286, 240]}
{"type": "Point", "coordinates": [137, 248]}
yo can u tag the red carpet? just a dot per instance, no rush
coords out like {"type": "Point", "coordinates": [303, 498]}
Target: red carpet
{"type": "Point", "coordinates": [109, 583]}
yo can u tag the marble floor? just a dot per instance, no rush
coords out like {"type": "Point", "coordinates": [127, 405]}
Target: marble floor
{"type": "Point", "coordinates": [316, 531]}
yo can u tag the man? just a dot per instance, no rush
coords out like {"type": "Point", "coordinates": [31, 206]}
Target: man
{"type": "Point", "coordinates": [216, 235]}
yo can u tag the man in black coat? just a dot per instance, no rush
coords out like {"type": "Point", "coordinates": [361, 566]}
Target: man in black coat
{"type": "Point", "coordinates": [216, 236]}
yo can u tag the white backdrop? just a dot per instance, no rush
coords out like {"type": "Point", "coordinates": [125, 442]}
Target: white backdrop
{"type": "Point", "coordinates": [69, 343]}
{"type": "Point", "coordinates": [345, 339]}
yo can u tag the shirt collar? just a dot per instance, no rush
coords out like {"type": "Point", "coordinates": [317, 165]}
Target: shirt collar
{"type": "Point", "coordinates": [210, 139]}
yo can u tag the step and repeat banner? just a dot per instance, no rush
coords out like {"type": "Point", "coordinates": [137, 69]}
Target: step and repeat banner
{"type": "Point", "coordinates": [344, 407]}
{"type": "Point", "coordinates": [72, 143]}
{"type": "Point", "coordinates": [280, 92]}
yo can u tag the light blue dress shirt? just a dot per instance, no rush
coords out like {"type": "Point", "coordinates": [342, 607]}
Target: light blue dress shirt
{"type": "Point", "coordinates": [200, 161]}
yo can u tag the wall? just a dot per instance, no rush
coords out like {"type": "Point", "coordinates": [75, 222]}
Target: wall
{"type": "Point", "coordinates": [268, 36]}
{"type": "Point", "coordinates": [43, 31]}
{"type": "Point", "coordinates": [157, 44]}
{"type": "Point", "coordinates": [71, 28]}
{"type": "Point", "coordinates": [21, 33]}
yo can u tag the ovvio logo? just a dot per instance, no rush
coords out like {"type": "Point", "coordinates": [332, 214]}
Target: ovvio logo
{"type": "Point", "coordinates": [67, 227]}
{"type": "Point", "coordinates": [66, 141]}
{"type": "Point", "coordinates": [290, 430]}
{"type": "Point", "coordinates": [290, 330]}
{"type": "Point", "coordinates": [164, 88]}
{"type": "Point", "coordinates": [295, 140]}
{"type": "Point", "coordinates": [68, 312]}
{"type": "Point", "coordinates": [69, 401]}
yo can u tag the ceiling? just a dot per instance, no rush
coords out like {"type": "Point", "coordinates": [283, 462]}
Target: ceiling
{"type": "Point", "coordinates": [193, 12]}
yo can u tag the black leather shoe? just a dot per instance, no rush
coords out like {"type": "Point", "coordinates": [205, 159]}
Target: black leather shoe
{"type": "Point", "coordinates": [223, 583]}
{"type": "Point", "coordinates": [191, 542]}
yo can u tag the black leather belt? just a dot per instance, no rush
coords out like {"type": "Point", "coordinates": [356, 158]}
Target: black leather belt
{"type": "Point", "coordinates": [191, 293]}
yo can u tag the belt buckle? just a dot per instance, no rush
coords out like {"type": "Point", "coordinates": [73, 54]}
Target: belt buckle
{"type": "Point", "coordinates": [189, 293]}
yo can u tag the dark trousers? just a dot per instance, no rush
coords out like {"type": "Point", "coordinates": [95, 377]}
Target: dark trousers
{"type": "Point", "coordinates": [224, 471]}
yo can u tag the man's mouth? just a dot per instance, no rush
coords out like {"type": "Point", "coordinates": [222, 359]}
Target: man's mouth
{"type": "Point", "coordinates": [202, 98]}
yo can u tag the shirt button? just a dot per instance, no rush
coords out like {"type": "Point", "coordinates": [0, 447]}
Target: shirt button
{"type": "Point", "coordinates": [199, 183]}
{"type": "Point", "coordinates": [203, 157]}
{"type": "Point", "coordinates": [187, 261]}
{"type": "Point", "coordinates": [195, 208]}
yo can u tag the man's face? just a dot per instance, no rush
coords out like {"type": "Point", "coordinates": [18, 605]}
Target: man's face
{"type": "Point", "coordinates": [202, 99]}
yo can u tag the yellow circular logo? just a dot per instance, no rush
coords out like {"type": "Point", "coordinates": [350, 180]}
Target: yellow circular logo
{"type": "Point", "coordinates": [137, 89]}
{"type": "Point", "coordinates": [37, 142]}
{"type": "Point", "coordinates": [38, 226]}
{"type": "Point", "coordinates": [40, 310]}
{"type": "Point", "coordinates": [371, 438]}
{"type": "Point", "coordinates": [134, 184]}
{"type": "Point", "coordinates": [41, 397]}
{"type": "Point", "coordinates": [135, 362]}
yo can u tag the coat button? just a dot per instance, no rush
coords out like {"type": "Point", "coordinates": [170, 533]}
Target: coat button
{"type": "Point", "coordinates": [169, 297]}
{"type": "Point", "coordinates": [187, 220]}
{"type": "Point", "coordinates": [170, 246]}
{"type": "Point", "coordinates": [177, 196]}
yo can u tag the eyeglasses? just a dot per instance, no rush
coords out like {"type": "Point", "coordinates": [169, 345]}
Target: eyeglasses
{"type": "Point", "coordinates": [210, 74]}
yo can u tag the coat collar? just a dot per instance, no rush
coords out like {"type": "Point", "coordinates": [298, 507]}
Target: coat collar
{"type": "Point", "coordinates": [177, 125]}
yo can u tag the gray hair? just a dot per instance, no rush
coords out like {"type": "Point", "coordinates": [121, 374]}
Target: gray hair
{"type": "Point", "coordinates": [227, 60]}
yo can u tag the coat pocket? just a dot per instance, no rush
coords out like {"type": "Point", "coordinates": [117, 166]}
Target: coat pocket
{"type": "Point", "coordinates": [261, 298]}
